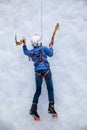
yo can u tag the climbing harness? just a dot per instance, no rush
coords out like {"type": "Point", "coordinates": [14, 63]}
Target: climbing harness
{"type": "Point", "coordinates": [42, 75]}
{"type": "Point", "coordinates": [39, 58]}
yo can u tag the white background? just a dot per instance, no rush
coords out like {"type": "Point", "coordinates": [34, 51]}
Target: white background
{"type": "Point", "coordinates": [68, 65]}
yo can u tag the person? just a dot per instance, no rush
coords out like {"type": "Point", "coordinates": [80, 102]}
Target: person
{"type": "Point", "coordinates": [39, 55]}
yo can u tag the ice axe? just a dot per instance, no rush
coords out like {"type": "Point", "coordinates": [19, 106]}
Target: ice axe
{"type": "Point", "coordinates": [56, 28]}
{"type": "Point", "coordinates": [53, 36]}
{"type": "Point", "coordinates": [20, 41]}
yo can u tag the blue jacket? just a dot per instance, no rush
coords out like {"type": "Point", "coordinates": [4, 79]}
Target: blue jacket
{"type": "Point", "coordinates": [34, 54]}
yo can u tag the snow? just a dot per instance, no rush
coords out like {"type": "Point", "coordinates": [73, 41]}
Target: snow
{"type": "Point", "coordinates": [68, 65]}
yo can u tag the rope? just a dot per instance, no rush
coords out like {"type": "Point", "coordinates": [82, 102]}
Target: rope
{"type": "Point", "coordinates": [41, 19]}
{"type": "Point", "coordinates": [73, 20]}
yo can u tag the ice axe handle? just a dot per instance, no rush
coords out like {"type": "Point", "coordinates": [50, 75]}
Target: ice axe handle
{"type": "Point", "coordinates": [56, 28]}
{"type": "Point", "coordinates": [16, 39]}
{"type": "Point", "coordinates": [51, 43]}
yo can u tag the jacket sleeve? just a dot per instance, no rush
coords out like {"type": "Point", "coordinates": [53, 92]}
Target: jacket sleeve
{"type": "Point", "coordinates": [26, 51]}
{"type": "Point", "coordinates": [49, 51]}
